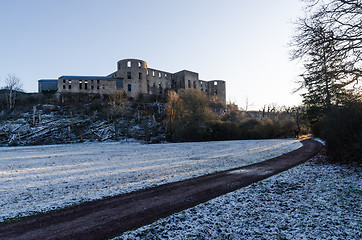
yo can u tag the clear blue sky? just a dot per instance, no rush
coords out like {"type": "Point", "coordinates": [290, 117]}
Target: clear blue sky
{"type": "Point", "coordinates": [242, 42]}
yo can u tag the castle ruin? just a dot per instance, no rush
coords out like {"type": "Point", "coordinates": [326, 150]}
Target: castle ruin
{"type": "Point", "coordinates": [134, 76]}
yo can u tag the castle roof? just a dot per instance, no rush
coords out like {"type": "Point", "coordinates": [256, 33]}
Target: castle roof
{"type": "Point", "coordinates": [48, 80]}
{"type": "Point", "coordinates": [89, 77]}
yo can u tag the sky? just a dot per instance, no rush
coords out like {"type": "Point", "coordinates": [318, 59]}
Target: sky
{"type": "Point", "coordinates": [242, 42]}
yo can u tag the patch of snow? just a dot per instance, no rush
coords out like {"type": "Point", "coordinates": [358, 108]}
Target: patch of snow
{"type": "Point", "coordinates": [311, 201]}
{"type": "Point", "coordinates": [42, 178]}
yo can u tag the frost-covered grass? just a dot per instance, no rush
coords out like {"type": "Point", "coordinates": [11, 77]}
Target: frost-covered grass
{"type": "Point", "coordinates": [42, 178]}
{"type": "Point", "coordinates": [311, 201]}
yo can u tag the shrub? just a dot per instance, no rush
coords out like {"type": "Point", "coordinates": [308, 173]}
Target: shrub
{"type": "Point", "coordinates": [341, 128]}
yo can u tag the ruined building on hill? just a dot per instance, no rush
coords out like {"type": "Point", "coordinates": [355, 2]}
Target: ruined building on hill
{"type": "Point", "coordinates": [136, 78]}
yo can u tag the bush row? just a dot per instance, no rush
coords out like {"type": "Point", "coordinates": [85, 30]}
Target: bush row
{"type": "Point", "coordinates": [227, 130]}
{"type": "Point", "coordinates": [341, 128]}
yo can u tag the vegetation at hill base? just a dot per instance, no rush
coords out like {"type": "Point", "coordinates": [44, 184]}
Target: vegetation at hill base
{"type": "Point", "coordinates": [193, 117]}
{"type": "Point", "coordinates": [69, 118]}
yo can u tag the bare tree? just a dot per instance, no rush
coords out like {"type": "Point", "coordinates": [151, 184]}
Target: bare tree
{"type": "Point", "coordinates": [329, 42]}
{"type": "Point", "coordinates": [196, 107]}
{"type": "Point", "coordinates": [174, 112]}
{"type": "Point", "coordinates": [342, 19]}
{"type": "Point", "coordinates": [118, 107]}
{"type": "Point", "coordinates": [12, 85]}
{"type": "Point", "coordinates": [118, 103]}
{"type": "Point", "coordinates": [187, 114]}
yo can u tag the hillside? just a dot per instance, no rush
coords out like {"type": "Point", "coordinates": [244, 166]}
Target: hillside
{"type": "Point", "coordinates": [56, 124]}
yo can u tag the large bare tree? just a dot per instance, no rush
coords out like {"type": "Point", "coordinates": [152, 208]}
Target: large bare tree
{"type": "Point", "coordinates": [12, 85]}
{"type": "Point", "coordinates": [174, 112]}
{"type": "Point", "coordinates": [329, 42]}
{"type": "Point", "coordinates": [342, 19]}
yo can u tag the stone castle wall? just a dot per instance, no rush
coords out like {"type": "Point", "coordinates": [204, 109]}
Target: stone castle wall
{"type": "Point", "coordinates": [136, 78]}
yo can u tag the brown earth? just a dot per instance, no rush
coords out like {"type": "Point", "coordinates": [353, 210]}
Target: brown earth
{"type": "Point", "coordinates": [107, 218]}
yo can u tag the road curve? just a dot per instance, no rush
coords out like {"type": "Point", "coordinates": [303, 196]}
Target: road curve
{"type": "Point", "coordinates": [107, 218]}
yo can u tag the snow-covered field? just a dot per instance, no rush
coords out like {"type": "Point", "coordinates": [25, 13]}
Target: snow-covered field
{"type": "Point", "coordinates": [311, 201]}
{"type": "Point", "coordinates": [42, 178]}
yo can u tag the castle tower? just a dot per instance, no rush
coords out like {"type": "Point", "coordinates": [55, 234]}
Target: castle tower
{"type": "Point", "coordinates": [217, 88]}
{"type": "Point", "coordinates": [133, 72]}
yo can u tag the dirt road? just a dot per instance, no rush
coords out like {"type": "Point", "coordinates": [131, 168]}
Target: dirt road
{"type": "Point", "coordinates": [107, 218]}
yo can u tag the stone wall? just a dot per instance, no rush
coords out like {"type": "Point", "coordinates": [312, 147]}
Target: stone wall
{"type": "Point", "coordinates": [158, 82]}
{"type": "Point", "coordinates": [87, 84]}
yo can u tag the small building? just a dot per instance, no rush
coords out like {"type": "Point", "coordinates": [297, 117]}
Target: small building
{"type": "Point", "coordinates": [47, 85]}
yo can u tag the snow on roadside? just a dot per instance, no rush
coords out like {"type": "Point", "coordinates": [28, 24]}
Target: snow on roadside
{"type": "Point", "coordinates": [42, 178]}
{"type": "Point", "coordinates": [311, 201]}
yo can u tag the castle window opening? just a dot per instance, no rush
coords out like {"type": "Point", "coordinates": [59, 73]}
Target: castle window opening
{"type": "Point", "coordinates": [154, 84]}
{"type": "Point", "coordinates": [98, 87]}
{"type": "Point", "coordinates": [129, 87]}
{"type": "Point", "coordinates": [103, 87]}
{"type": "Point", "coordinates": [63, 80]}
{"type": "Point", "coordinates": [189, 83]}
{"type": "Point", "coordinates": [85, 85]}
{"type": "Point", "coordinates": [166, 75]}
{"type": "Point", "coordinates": [128, 75]}
{"type": "Point", "coordinates": [148, 86]}
{"type": "Point", "coordinates": [215, 83]}
{"type": "Point", "coordinates": [215, 92]}
{"type": "Point", "coordinates": [153, 73]}
{"type": "Point", "coordinates": [129, 64]}
{"type": "Point", "coordinates": [148, 73]}
{"type": "Point", "coordinates": [98, 82]}
{"type": "Point", "coordinates": [92, 87]}
{"type": "Point", "coordinates": [80, 84]}
{"type": "Point", "coordinates": [70, 81]}
{"type": "Point", "coordinates": [159, 75]}
{"type": "Point", "coordinates": [140, 75]}
{"type": "Point", "coordinates": [194, 84]}
{"type": "Point", "coordinates": [70, 87]}
{"type": "Point", "coordinates": [139, 64]}
{"type": "Point", "coordinates": [63, 86]}
{"type": "Point", "coordinates": [160, 88]}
